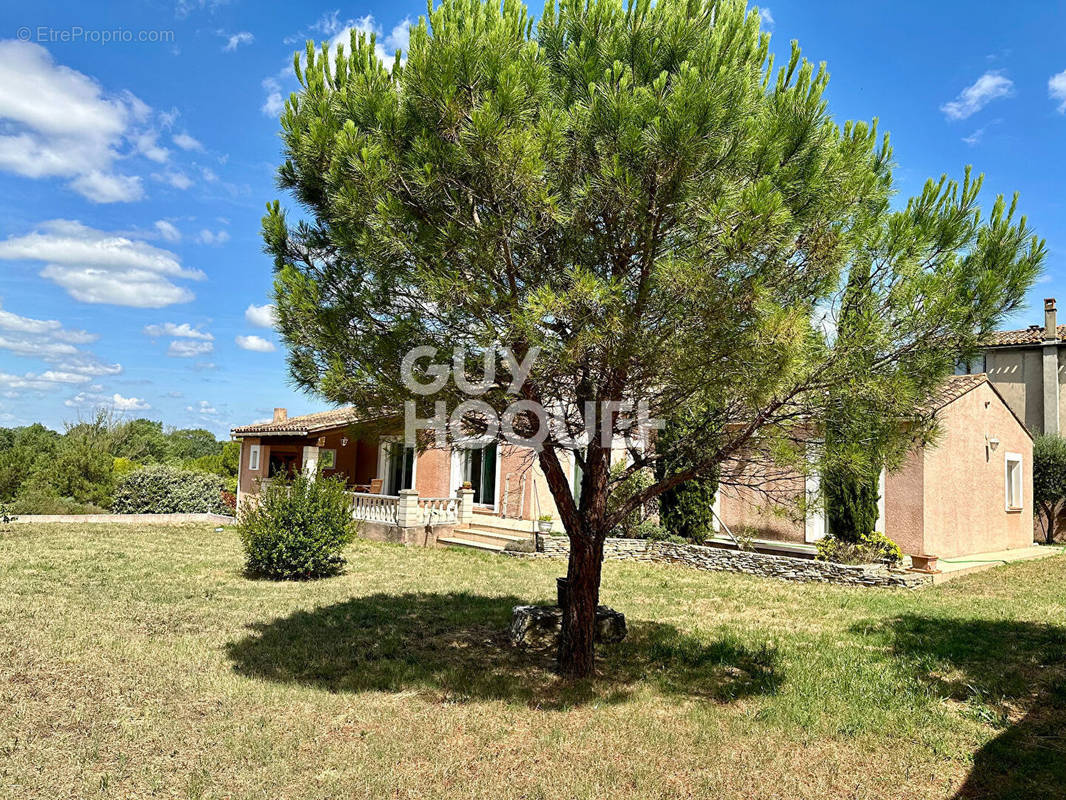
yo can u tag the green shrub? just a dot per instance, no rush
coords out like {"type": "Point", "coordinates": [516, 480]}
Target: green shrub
{"type": "Point", "coordinates": [166, 490]}
{"type": "Point", "coordinates": [297, 530]}
{"type": "Point", "coordinates": [851, 504]}
{"type": "Point", "coordinates": [5, 514]}
{"type": "Point", "coordinates": [1049, 481]}
{"type": "Point", "coordinates": [123, 466]}
{"type": "Point", "coordinates": [641, 523]}
{"type": "Point", "coordinates": [686, 509]}
{"type": "Point", "coordinates": [871, 548]}
{"type": "Point", "coordinates": [39, 497]}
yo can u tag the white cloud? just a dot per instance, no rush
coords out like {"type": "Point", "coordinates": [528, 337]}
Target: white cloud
{"type": "Point", "coordinates": [167, 230]}
{"type": "Point", "coordinates": [207, 237]}
{"type": "Point", "coordinates": [184, 8]}
{"type": "Point", "coordinates": [102, 187]}
{"type": "Point", "coordinates": [182, 331]}
{"type": "Point", "coordinates": [975, 137]}
{"type": "Point", "coordinates": [766, 17]}
{"type": "Point", "coordinates": [204, 408]}
{"type": "Point", "coordinates": [56, 122]}
{"type": "Point", "coordinates": [385, 47]}
{"type": "Point", "coordinates": [147, 144]}
{"type": "Point", "coordinates": [50, 341]}
{"type": "Point", "coordinates": [168, 118]}
{"type": "Point", "coordinates": [1056, 89]}
{"type": "Point", "coordinates": [186, 142]}
{"type": "Point", "coordinates": [274, 103]}
{"type": "Point", "coordinates": [184, 348]}
{"type": "Point", "coordinates": [39, 348]}
{"type": "Point", "coordinates": [115, 401]}
{"type": "Point", "coordinates": [128, 403]}
{"type": "Point", "coordinates": [235, 40]}
{"type": "Point", "coordinates": [990, 86]}
{"type": "Point", "coordinates": [44, 381]}
{"type": "Point", "coordinates": [255, 343]}
{"type": "Point", "coordinates": [208, 174]}
{"type": "Point", "coordinates": [261, 316]}
{"type": "Point", "coordinates": [79, 400]}
{"type": "Point", "coordinates": [99, 267]}
{"type": "Point", "coordinates": [87, 364]}
{"type": "Point", "coordinates": [173, 177]}
{"type": "Point", "coordinates": [50, 328]}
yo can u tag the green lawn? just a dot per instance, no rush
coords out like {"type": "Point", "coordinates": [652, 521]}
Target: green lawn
{"type": "Point", "coordinates": [141, 663]}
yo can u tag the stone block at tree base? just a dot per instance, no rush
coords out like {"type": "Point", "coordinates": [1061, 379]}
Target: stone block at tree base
{"type": "Point", "coordinates": [538, 627]}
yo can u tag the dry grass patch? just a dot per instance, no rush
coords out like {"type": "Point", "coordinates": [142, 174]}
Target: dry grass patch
{"type": "Point", "coordinates": [141, 663]}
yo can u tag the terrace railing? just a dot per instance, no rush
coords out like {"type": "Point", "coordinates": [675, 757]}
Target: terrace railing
{"type": "Point", "coordinates": [408, 510]}
{"type": "Point", "coordinates": [375, 507]}
{"type": "Point", "coordinates": [439, 510]}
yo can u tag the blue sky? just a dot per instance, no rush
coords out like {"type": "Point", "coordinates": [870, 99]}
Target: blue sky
{"type": "Point", "coordinates": [133, 174]}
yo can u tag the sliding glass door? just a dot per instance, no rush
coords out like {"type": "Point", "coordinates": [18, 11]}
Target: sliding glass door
{"type": "Point", "coordinates": [399, 467]}
{"type": "Point", "coordinates": [479, 468]}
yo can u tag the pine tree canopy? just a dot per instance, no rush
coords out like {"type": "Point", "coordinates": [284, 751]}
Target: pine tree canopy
{"type": "Point", "coordinates": [641, 193]}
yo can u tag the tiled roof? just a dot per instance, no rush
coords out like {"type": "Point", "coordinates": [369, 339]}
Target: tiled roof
{"type": "Point", "coordinates": [302, 426]}
{"type": "Point", "coordinates": [1034, 334]}
{"type": "Point", "coordinates": [958, 385]}
{"type": "Point", "coordinates": [952, 389]}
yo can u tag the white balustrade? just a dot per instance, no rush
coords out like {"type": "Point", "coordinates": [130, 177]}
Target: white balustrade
{"type": "Point", "coordinates": [439, 510]}
{"type": "Point", "coordinates": [375, 507]}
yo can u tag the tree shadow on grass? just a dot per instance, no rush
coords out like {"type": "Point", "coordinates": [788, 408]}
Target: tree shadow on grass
{"type": "Point", "coordinates": [1011, 675]}
{"type": "Point", "coordinates": [456, 647]}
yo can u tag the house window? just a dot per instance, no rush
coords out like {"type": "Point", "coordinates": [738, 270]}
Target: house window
{"type": "Point", "coordinates": [479, 468]}
{"type": "Point", "coordinates": [327, 459]}
{"type": "Point", "coordinates": [1014, 487]}
{"type": "Point", "coordinates": [397, 466]}
{"type": "Point", "coordinates": [974, 366]}
{"type": "Point", "coordinates": [253, 458]}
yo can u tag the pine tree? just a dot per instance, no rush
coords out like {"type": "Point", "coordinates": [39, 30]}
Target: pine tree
{"type": "Point", "coordinates": [634, 191]}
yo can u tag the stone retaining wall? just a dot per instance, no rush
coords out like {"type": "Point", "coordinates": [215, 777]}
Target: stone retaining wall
{"type": "Point", "coordinates": [723, 560]}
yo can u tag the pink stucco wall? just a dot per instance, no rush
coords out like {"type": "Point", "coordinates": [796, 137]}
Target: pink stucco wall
{"type": "Point", "coordinates": [770, 513]}
{"type": "Point", "coordinates": [947, 500]}
{"type": "Point", "coordinates": [905, 504]}
{"type": "Point", "coordinates": [965, 484]}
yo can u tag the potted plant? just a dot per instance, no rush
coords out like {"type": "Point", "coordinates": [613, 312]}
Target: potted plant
{"type": "Point", "coordinates": [544, 523]}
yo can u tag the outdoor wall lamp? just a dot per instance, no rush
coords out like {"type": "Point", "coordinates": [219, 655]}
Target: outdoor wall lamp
{"type": "Point", "coordinates": [993, 443]}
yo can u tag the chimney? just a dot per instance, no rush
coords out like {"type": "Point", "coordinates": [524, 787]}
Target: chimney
{"type": "Point", "coordinates": [1051, 331]}
{"type": "Point", "coordinates": [282, 414]}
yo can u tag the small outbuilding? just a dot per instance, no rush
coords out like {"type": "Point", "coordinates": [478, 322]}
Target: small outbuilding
{"type": "Point", "coordinates": [970, 492]}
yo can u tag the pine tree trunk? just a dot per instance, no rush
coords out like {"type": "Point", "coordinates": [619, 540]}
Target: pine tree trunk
{"type": "Point", "coordinates": [577, 645]}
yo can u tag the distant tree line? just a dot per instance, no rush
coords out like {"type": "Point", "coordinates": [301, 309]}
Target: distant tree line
{"type": "Point", "coordinates": [43, 471]}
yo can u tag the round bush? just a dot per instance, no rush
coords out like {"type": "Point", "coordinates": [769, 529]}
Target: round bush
{"type": "Point", "coordinates": [296, 531]}
{"type": "Point", "coordinates": [871, 548]}
{"type": "Point", "coordinates": [167, 490]}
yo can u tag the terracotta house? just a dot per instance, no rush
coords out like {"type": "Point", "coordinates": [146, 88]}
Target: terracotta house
{"type": "Point", "coordinates": [394, 484]}
{"type": "Point", "coordinates": [971, 493]}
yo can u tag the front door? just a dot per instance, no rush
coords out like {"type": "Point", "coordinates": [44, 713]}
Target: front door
{"type": "Point", "coordinates": [479, 468]}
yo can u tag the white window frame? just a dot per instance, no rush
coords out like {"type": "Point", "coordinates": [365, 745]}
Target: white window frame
{"type": "Point", "coordinates": [456, 470]}
{"type": "Point", "coordinates": [1008, 490]}
{"type": "Point", "coordinates": [253, 458]}
{"type": "Point", "coordinates": [383, 452]}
